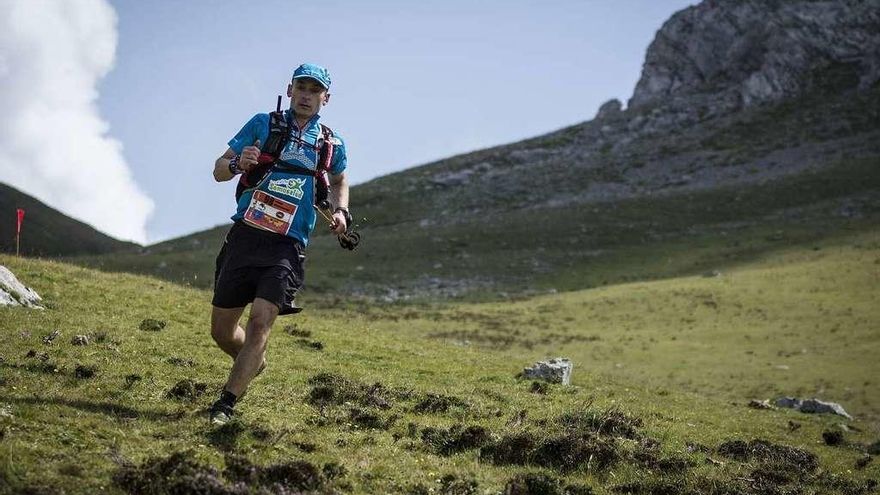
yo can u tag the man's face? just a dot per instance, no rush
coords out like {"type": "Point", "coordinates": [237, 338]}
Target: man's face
{"type": "Point", "coordinates": [307, 96]}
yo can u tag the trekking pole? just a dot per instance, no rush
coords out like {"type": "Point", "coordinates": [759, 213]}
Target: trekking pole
{"type": "Point", "coordinates": [348, 239]}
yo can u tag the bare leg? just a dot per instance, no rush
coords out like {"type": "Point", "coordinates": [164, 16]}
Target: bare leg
{"type": "Point", "coordinates": [226, 331]}
{"type": "Point", "coordinates": [251, 355]}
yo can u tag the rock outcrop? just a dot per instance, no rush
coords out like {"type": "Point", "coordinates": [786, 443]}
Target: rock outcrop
{"type": "Point", "coordinates": [14, 293]}
{"type": "Point", "coordinates": [812, 406]}
{"type": "Point", "coordinates": [760, 50]}
{"type": "Point", "coordinates": [609, 108]}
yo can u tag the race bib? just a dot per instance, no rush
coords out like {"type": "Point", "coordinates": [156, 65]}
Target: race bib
{"type": "Point", "coordinates": [270, 213]}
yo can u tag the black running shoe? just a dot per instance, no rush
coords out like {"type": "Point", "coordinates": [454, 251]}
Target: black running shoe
{"type": "Point", "coordinates": [221, 413]}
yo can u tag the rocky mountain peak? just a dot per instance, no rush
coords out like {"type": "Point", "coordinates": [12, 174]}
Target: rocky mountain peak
{"type": "Point", "coordinates": [758, 51]}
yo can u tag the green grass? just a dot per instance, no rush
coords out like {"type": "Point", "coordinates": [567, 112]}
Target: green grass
{"type": "Point", "coordinates": [681, 357]}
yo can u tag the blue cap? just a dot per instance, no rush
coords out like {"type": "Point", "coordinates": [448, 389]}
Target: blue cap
{"type": "Point", "coordinates": [316, 72]}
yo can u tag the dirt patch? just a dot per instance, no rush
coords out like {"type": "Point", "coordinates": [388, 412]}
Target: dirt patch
{"type": "Point", "coordinates": [437, 403]}
{"type": "Point", "coordinates": [226, 436]}
{"type": "Point", "coordinates": [177, 473]}
{"type": "Point", "coordinates": [151, 325]}
{"type": "Point", "coordinates": [651, 459]}
{"type": "Point", "coordinates": [659, 487]}
{"type": "Point", "coordinates": [782, 456]}
{"type": "Point", "coordinates": [297, 474]}
{"type": "Point", "coordinates": [567, 453]}
{"type": "Point", "coordinates": [577, 489]}
{"type": "Point", "coordinates": [45, 365]}
{"type": "Point", "coordinates": [310, 344]}
{"type": "Point", "coordinates": [187, 389]}
{"type": "Point", "coordinates": [541, 388]}
{"type": "Point", "coordinates": [610, 422]}
{"type": "Point", "coordinates": [862, 462]}
{"type": "Point", "coordinates": [264, 434]}
{"type": "Point", "coordinates": [84, 372]}
{"type": "Point", "coordinates": [418, 489]}
{"type": "Point", "coordinates": [510, 449]}
{"type": "Point", "coordinates": [542, 484]}
{"type": "Point", "coordinates": [563, 453]}
{"type": "Point", "coordinates": [698, 447]}
{"type": "Point", "coordinates": [131, 380]}
{"type": "Point", "coordinates": [449, 484]}
{"type": "Point", "coordinates": [847, 486]}
{"type": "Point", "coordinates": [294, 476]}
{"type": "Point", "coordinates": [332, 389]}
{"type": "Point", "coordinates": [454, 440]}
{"type": "Point", "coordinates": [40, 490]}
{"type": "Point", "coordinates": [183, 363]}
{"type": "Point", "coordinates": [32, 354]}
{"type": "Point", "coordinates": [334, 470]}
{"type": "Point", "coordinates": [296, 331]}
{"type": "Point", "coordinates": [758, 482]}
{"type": "Point", "coordinates": [833, 437]}
{"type": "Point", "coordinates": [181, 473]}
{"type": "Point", "coordinates": [776, 468]}
{"type": "Point", "coordinates": [366, 419]}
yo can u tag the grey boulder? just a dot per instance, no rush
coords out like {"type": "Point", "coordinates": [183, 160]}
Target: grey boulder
{"type": "Point", "coordinates": [14, 293]}
{"type": "Point", "coordinates": [557, 370]}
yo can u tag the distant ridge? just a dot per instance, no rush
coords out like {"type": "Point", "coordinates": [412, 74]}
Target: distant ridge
{"type": "Point", "coordinates": [48, 232]}
{"type": "Point", "coordinates": [754, 128]}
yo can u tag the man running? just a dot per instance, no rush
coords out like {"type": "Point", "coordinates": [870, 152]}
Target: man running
{"type": "Point", "coordinates": [261, 261]}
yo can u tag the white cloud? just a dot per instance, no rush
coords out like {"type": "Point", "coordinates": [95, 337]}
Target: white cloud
{"type": "Point", "coordinates": [54, 145]}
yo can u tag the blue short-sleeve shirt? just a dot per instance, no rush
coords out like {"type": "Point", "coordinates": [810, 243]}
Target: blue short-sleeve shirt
{"type": "Point", "coordinates": [295, 153]}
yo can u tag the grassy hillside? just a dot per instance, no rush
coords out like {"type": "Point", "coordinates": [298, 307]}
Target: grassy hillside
{"type": "Point", "coordinates": [48, 232]}
{"type": "Point", "coordinates": [631, 197]}
{"type": "Point", "coordinates": [569, 248]}
{"type": "Point", "coordinates": [392, 398]}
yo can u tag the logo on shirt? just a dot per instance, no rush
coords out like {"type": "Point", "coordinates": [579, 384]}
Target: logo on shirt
{"type": "Point", "coordinates": [290, 187]}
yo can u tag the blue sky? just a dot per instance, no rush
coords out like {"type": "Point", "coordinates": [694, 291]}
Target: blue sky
{"type": "Point", "coordinates": [413, 82]}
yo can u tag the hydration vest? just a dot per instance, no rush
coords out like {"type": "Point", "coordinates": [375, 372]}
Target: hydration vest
{"type": "Point", "coordinates": [279, 136]}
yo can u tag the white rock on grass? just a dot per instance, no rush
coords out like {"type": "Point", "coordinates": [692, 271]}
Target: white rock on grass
{"type": "Point", "coordinates": [814, 406]}
{"type": "Point", "coordinates": [556, 370]}
{"type": "Point", "coordinates": [14, 293]}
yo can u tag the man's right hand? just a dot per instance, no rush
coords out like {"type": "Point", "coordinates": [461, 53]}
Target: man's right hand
{"type": "Point", "coordinates": [250, 155]}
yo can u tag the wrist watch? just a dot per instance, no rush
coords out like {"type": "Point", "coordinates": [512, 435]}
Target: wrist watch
{"type": "Point", "coordinates": [234, 169]}
{"type": "Point", "coordinates": [346, 214]}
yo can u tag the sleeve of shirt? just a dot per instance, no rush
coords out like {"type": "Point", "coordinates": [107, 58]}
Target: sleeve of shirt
{"type": "Point", "coordinates": [256, 128]}
{"type": "Point", "coordinates": [340, 159]}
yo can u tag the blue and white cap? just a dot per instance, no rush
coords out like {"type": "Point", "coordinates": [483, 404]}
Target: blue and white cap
{"type": "Point", "coordinates": [314, 71]}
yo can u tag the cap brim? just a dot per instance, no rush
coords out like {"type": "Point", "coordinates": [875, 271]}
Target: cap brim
{"type": "Point", "coordinates": [304, 76]}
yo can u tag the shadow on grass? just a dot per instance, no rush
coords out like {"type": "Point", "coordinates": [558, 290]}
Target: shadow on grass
{"type": "Point", "coordinates": [116, 411]}
{"type": "Point", "coordinates": [225, 438]}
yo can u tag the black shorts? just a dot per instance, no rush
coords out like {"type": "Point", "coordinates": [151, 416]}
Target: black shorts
{"type": "Point", "coordinates": [254, 264]}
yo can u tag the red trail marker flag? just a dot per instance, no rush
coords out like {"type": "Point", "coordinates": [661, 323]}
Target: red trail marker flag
{"type": "Point", "coordinates": [20, 213]}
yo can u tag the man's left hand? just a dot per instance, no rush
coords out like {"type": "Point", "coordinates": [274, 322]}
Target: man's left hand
{"type": "Point", "coordinates": [338, 226]}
